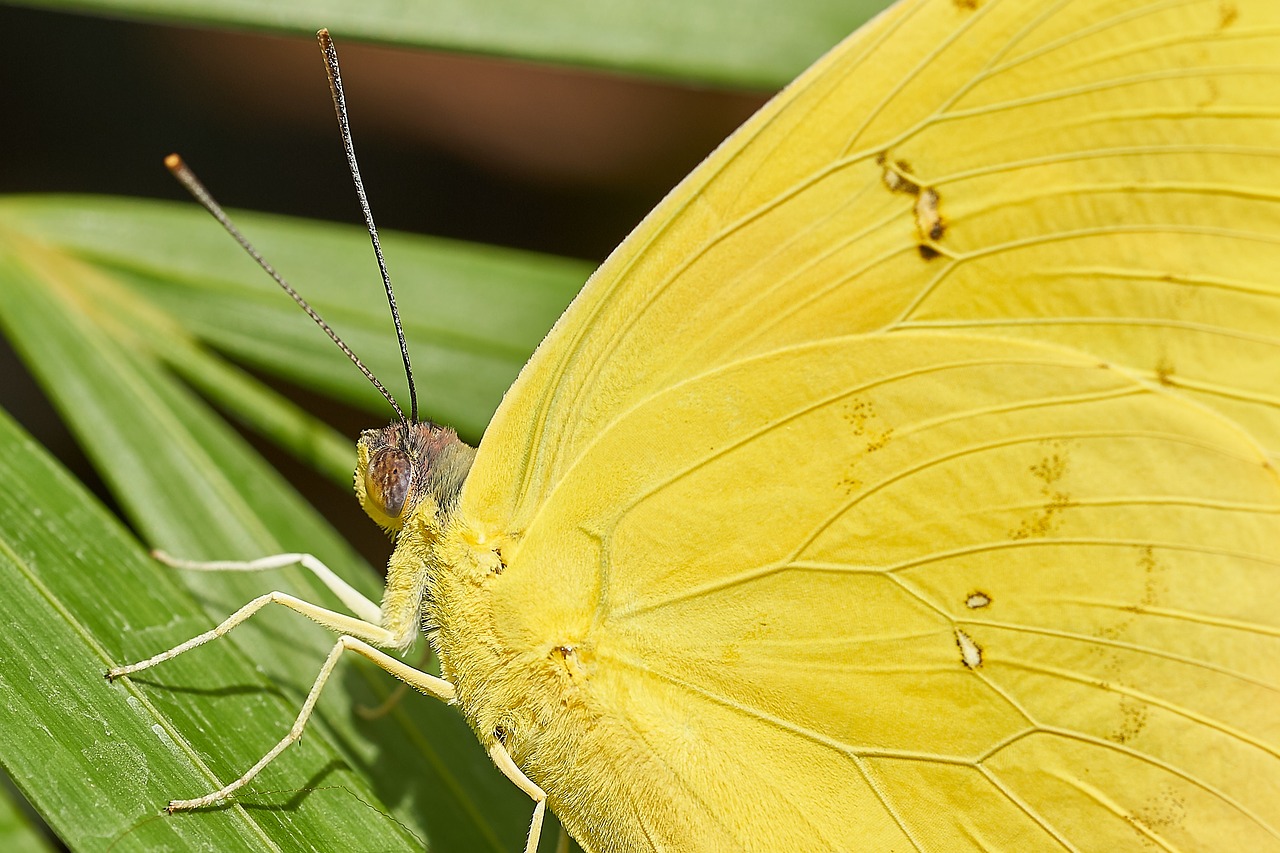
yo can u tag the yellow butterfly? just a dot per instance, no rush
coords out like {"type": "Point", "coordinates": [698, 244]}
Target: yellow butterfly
{"type": "Point", "coordinates": [906, 481]}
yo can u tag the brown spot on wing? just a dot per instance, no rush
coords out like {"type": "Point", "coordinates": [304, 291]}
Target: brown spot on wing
{"type": "Point", "coordinates": [1162, 812]}
{"type": "Point", "coordinates": [1051, 468]}
{"type": "Point", "coordinates": [896, 176]}
{"type": "Point", "coordinates": [970, 652]}
{"type": "Point", "coordinates": [1133, 719]}
{"type": "Point", "coordinates": [929, 220]}
{"type": "Point", "coordinates": [1228, 14]}
{"type": "Point", "coordinates": [864, 424]}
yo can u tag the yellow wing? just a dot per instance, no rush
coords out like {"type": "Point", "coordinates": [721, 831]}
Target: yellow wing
{"type": "Point", "coordinates": [902, 483]}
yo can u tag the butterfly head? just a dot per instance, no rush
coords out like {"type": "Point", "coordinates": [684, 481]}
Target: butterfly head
{"type": "Point", "coordinates": [400, 466]}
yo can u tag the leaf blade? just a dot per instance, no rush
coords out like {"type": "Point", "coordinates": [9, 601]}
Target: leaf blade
{"type": "Point", "coordinates": [142, 427]}
{"type": "Point", "coordinates": [757, 43]}
{"type": "Point", "coordinates": [472, 314]}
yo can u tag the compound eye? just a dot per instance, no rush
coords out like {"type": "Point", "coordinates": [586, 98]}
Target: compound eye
{"type": "Point", "coordinates": [388, 479]}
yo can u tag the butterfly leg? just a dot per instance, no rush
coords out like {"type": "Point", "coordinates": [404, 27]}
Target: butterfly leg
{"type": "Point", "coordinates": [397, 695]}
{"type": "Point", "coordinates": [339, 622]}
{"type": "Point", "coordinates": [348, 595]}
{"type": "Point", "coordinates": [507, 765]}
{"type": "Point", "coordinates": [429, 684]}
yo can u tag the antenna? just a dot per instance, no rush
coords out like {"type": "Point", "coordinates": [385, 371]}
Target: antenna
{"type": "Point", "coordinates": [340, 107]}
{"type": "Point", "coordinates": [188, 179]}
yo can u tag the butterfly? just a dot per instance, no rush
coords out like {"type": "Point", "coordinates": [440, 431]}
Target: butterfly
{"type": "Point", "coordinates": [906, 480]}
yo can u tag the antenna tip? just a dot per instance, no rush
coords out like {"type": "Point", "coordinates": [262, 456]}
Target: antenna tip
{"type": "Point", "coordinates": [322, 35]}
{"type": "Point", "coordinates": [173, 162]}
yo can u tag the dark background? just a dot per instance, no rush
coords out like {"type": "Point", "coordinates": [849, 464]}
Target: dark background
{"type": "Point", "coordinates": [505, 152]}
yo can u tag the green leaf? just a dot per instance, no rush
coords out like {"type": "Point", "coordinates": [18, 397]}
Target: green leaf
{"type": "Point", "coordinates": [749, 43]}
{"type": "Point", "coordinates": [18, 834]}
{"type": "Point", "coordinates": [99, 760]}
{"type": "Point", "coordinates": [472, 314]}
